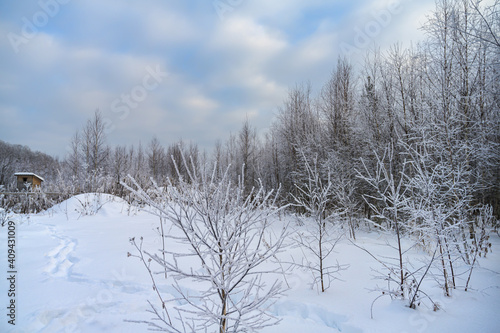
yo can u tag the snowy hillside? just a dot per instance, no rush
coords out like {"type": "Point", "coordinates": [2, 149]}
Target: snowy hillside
{"type": "Point", "coordinates": [74, 275]}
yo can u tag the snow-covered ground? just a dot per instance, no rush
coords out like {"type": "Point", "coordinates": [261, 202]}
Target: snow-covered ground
{"type": "Point", "coordinates": [74, 276]}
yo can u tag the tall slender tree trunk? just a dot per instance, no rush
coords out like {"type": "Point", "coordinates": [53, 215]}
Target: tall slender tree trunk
{"type": "Point", "coordinates": [452, 271]}
{"type": "Point", "coordinates": [322, 230]}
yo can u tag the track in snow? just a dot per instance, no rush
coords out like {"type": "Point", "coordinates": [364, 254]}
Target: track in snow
{"type": "Point", "coordinates": [61, 258]}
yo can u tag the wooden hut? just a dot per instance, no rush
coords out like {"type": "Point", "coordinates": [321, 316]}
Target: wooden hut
{"type": "Point", "coordinates": [25, 178]}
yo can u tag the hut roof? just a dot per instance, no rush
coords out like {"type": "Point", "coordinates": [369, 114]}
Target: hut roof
{"type": "Point", "coordinates": [29, 174]}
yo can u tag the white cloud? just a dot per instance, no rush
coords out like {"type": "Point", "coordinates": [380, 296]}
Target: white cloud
{"type": "Point", "coordinates": [220, 72]}
{"type": "Point", "coordinates": [318, 48]}
{"type": "Point", "coordinates": [164, 26]}
{"type": "Point", "coordinates": [199, 103]}
{"type": "Point", "coordinates": [252, 41]}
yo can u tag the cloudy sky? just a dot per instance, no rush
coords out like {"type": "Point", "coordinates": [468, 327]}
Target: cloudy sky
{"type": "Point", "coordinates": [176, 68]}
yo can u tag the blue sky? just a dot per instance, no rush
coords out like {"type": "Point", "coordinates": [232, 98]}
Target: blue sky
{"type": "Point", "coordinates": [175, 69]}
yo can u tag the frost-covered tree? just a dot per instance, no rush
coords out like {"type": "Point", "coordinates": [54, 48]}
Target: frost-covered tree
{"type": "Point", "coordinates": [443, 207]}
{"type": "Point", "coordinates": [344, 187]}
{"type": "Point", "coordinates": [296, 127]}
{"type": "Point", "coordinates": [94, 144]}
{"type": "Point", "coordinates": [156, 159]}
{"type": "Point", "coordinates": [74, 157]}
{"type": "Point", "coordinates": [336, 104]}
{"type": "Point", "coordinates": [247, 144]}
{"type": "Point", "coordinates": [319, 236]}
{"type": "Point", "coordinates": [120, 167]}
{"type": "Point", "coordinates": [389, 203]}
{"type": "Point", "coordinates": [226, 233]}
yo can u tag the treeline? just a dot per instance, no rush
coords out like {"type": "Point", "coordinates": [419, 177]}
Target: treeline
{"type": "Point", "coordinates": [435, 105]}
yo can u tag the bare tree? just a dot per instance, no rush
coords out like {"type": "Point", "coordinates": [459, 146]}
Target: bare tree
{"type": "Point", "coordinates": [319, 239]}
{"type": "Point", "coordinates": [374, 120]}
{"type": "Point", "coordinates": [488, 27]}
{"type": "Point", "coordinates": [73, 160]}
{"type": "Point", "coordinates": [156, 159]}
{"type": "Point", "coordinates": [120, 168]}
{"type": "Point", "coordinates": [442, 203]}
{"type": "Point", "coordinates": [226, 232]}
{"type": "Point", "coordinates": [344, 188]}
{"type": "Point", "coordinates": [393, 205]}
{"type": "Point", "coordinates": [175, 152]}
{"type": "Point", "coordinates": [247, 151]}
{"type": "Point", "coordinates": [95, 150]}
{"type": "Point", "coordinates": [297, 127]}
{"type": "Point", "coordinates": [390, 201]}
{"type": "Point", "coordinates": [336, 103]}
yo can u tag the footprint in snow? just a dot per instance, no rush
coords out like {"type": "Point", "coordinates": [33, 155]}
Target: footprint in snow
{"type": "Point", "coordinates": [314, 313]}
{"type": "Point", "coordinates": [60, 258]}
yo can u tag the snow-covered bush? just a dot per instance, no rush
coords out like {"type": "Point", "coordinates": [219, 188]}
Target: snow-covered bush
{"type": "Point", "coordinates": [226, 234]}
{"type": "Point", "coordinates": [90, 203]}
{"type": "Point", "coordinates": [390, 204]}
{"type": "Point", "coordinates": [4, 216]}
{"type": "Point", "coordinates": [444, 211]}
{"type": "Point", "coordinates": [7, 215]}
{"type": "Point", "coordinates": [428, 202]}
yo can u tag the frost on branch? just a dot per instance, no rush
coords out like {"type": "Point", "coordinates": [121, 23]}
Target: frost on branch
{"type": "Point", "coordinates": [224, 234]}
{"type": "Point", "coordinates": [390, 202]}
{"type": "Point", "coordinates": [317, 239]}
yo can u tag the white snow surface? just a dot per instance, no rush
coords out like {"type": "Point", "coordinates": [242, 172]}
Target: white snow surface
{"type": "Point", "coordinates": [74, 276]}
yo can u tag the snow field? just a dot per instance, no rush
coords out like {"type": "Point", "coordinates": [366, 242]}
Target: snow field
{"type": "Point", "coordinates": [75, 276]}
